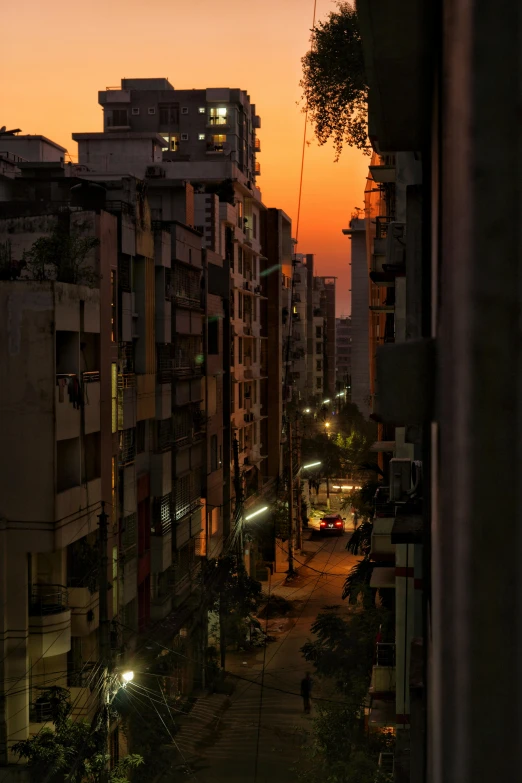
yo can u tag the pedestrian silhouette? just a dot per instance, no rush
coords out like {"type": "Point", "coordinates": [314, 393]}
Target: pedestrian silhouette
{"type": "Point", "coordinates": [306, 692]}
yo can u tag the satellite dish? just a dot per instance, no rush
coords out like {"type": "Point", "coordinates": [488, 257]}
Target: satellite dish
{"type": "Point", "coordinates": [3, 129]}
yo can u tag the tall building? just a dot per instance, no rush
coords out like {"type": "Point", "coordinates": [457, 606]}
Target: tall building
{"type": "Point", "coordinates": [447, 254]}
{"type": "Point", "coordinates": [360, 362]}
{"type": "Point", "coordinates": [343, 353]}
{"type": "Point", "coordinates": [207, 137]}
{"type": "Point", "coordinates": [326, 288]}
{"type": "Point", "coordinates": [122, 342]}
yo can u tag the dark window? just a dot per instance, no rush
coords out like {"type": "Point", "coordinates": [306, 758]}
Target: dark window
{"type": "Point", "coordinates": [119, 117]}
{"type": "Point", "coordinates": [213, 453]}
{"type": "Point", "coordinates": [213, 336]}
{"type": "Point", "coordinates": [169, 115]}
{"type": "Point", "coordinates": [318, 331]}
{"type": "Point", "coordinates": [140, 436]}
{"type": "Point", "coordinates": [319, 348]}
{"type": "Point", "coordinates": [240, 349]}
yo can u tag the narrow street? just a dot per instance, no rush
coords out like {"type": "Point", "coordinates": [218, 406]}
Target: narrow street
{"type": "Point", "coordinates": [225, 735]}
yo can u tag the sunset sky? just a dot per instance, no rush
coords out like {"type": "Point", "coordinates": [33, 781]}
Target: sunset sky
{"type": "Point", "coordinates": [58, 55]}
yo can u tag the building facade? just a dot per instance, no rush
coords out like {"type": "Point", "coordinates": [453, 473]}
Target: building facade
{"type": "Point", "coordinates": [343, 353]}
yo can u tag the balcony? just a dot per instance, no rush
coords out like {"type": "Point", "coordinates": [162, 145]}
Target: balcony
{"type": "Point", "coordinates": [382, 548]}
{"type": "Point", "coordinates": [383, 671]}
{"type": "Point", "coordinates": [222, 121]}
{"type": "Point", "coordinates": [257, 145]}
{"type": "Point", "coordinates": [383, 173]}
{"type": "Point", "coordinates": [91, 399]}
{"type": "Point", "coordinates": [160, 606]}
{"type": "Point", "coordinates": [164, 363]}
{"type": "Point", "coordinates": [186, 367]}
{"type": "Point", "coordinates": [49, 621]}
{"type": "Point", "coordinates": [258, 169]}
{"type": "Point", "coordinates": [68, 402]}
{"type": "Point", "coordinates": [84, 607]}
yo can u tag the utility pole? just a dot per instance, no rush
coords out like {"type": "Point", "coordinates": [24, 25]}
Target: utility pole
{"type": "Point", "coordinates": [104, 626]}
{"type": "Point", "coordinates": [291, 571]}
{"type": "Point", "coordinates": [238, 515]}
{"type": "Point", "coordinates": [299, 501]}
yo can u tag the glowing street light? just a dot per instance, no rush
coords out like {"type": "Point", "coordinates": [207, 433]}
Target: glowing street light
{"type": "Point", "coordinates": [327, 424]}
{"type": "Point", "coordinates": [255, 513]}
{"type": "Point", "coordinates": [325, 402]}
{"type": "Point", "coordinates": [127, 677]}
{"type": "Point", "coordinates": [307, 410]}
{"type": "Point", "coordinates": [312, 465]}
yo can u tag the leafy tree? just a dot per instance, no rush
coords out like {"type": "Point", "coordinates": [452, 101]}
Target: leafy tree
{"type": "Point", "coordinates": [341, 750]}
{"type": "Point", "coordinates": [234, 594]}
{"type": "Point", "coordinates": [357, 583]}
{"type": "Point", "coordinates": [335, 89]}
{"type": "Point", "coordinates": [63, 256]}
{"type": "Point", "coordinates": [75, 752]}
{"type": "Point", "coordinates": [362, 500]}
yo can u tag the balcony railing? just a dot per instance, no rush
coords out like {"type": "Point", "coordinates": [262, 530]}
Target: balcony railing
{"type": "Point", "coordinates": [48, 599]}
{"type": "Point", "coordinates": [385, 654]}
{"type": "Point", "coordinates": [185, 367]}
{"type": "Point", "coordinates": [40, 712]}
{"type": "Point", "coordinates": [164, 363]}
{"type": "Point", "coordinates": [381, 225]}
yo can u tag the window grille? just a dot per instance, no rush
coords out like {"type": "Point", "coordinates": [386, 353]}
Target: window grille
{"type": "Point", "coordinates": [129, 535]}
{"type": "Point", "coordinates": [164, 362]}
{"type": "Point", "coordinates": [124, 273]}
{"type": "Point", "coordinates": [164, 434]}
{"type": "Point", "coordinates": [186, 286]}
{"type": "Point", "coordinates": [162, 515]}
{"type": "Point", "coordinates": [127, 446]}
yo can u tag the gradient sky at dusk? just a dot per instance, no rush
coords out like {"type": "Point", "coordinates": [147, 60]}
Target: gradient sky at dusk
{"type": "Point", "coordinates": [55, 57]}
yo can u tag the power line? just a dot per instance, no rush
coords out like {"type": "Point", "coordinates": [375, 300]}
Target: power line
{"type": "Point", "coordinates": [304, 146]}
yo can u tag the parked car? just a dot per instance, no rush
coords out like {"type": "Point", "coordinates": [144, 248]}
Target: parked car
{"type": "Point", "coordinates": [332, 523]}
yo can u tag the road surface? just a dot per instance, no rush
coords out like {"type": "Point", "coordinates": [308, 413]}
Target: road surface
{"type": "Point", "coordinates": [254, 735]}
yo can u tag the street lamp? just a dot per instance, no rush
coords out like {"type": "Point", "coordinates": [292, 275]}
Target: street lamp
{"type": "Point", "coordinates": [325, 402]}
{"type": "Point", "coordinates": [127, 677]}
{"type": "Point", "coordinates": [255, 513]}
{"type": "Point", "coordinates": [307, 410]}
{"type": "Point", "coordinates": [312, 465]}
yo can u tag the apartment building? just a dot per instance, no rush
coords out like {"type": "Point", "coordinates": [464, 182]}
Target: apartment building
{"type": "Point", "coordinates": [59, 427]}
{"type": "Point", "coordinates": [228, 211]}
{"type": "Point", "coordinates": [448, 377]}
{"type": "Point", "coordinates": [326, 288]}
{"type": "Point", "coordinates": [360, 364]}
{"type": "Point", "coordinates": [343, 353]}
{"type": "Point", "coordinates": [124, 346]}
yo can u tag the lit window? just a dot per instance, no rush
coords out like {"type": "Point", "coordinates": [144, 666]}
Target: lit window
{"type": "Point", "coordinates": [201, 136]}
{"type": "Point", "coordinates": [219, 138]}
{"type": "Point", "coordinates": [201, 110]}
{"type": "Point", "coordinates": [218, 116]}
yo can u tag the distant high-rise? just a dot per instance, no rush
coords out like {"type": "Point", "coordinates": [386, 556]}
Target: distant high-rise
{"type": "Point", "coordinates": [343, 351]}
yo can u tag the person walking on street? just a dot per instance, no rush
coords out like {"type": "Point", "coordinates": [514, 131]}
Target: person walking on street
{"type": "Point", "coordinates": [306, 692]}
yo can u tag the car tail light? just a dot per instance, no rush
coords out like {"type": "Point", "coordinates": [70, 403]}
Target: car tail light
{"type": "Point", "coordinates": [323, 524]}
{"type": "Point", "coordinates": [338, 524]}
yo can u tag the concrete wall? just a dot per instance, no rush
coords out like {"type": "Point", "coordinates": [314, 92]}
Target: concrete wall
{"type": "Point", "coordinates": [360, 337]}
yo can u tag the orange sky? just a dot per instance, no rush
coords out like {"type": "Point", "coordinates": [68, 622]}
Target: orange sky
{"type": "Point", "coordinates": [55, 57]}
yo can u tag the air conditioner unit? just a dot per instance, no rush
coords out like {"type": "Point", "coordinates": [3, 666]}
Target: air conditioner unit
{"type": "Point", "coordinates": [184, 109]}
{"type": "Point", "coordinates": [184, 137]}
{"type": "Point", "coordinates": [400, 478]}
{"type": "Point", "coordinates": [135, 111]}
{"type": "Point", "coordinates": [155, 171]}
{"type": "Point", "coordinates": [416, 476]}
{"type": "Point", "coordinates": [395, 244]}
